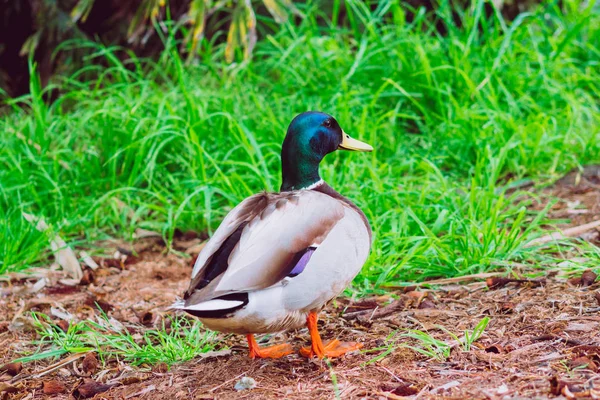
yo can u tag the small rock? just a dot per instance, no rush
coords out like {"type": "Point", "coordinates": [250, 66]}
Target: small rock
{"type": "Point", "coordinates": [503, 389]}
{"type": "Point", "coordinates": [54, 387]}
{"type": "Point", "coordinates": [597, 296]}
{"type": "Point", "coordinates": [245, 383]}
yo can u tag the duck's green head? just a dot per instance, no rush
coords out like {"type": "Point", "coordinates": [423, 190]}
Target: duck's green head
{"type": "Point", "coordinates": [310, 137]}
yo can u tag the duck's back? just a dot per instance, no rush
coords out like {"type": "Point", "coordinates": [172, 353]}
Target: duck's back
{"type": "Point", "coordinates": [293, 251]}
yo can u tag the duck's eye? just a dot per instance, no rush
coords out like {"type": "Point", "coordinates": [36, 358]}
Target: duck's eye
{"type": "Point", "coordinates": [327, 123]}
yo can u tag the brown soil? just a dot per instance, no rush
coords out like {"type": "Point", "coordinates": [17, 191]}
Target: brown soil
{"type": "Point", "coordinates": [543, 339]}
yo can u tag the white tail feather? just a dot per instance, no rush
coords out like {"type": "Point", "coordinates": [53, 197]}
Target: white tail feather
{"type": "Point", "coordinates": [179, 304]}
{"type": "Point", "coordinates": [213, 305]}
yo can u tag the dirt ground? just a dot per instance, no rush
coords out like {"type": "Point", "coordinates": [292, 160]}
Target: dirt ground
{"type": "Point", "coordinates": [543, 339]}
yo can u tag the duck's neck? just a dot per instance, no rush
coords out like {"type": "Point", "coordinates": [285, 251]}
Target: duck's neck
{"type": "Point", "coordinates": [299, 170]}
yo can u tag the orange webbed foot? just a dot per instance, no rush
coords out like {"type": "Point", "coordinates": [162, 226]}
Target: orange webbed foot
{"type": "Point", "coordinates": [333, 348]}
{"type": "Point", "coordinates": [277, 351]}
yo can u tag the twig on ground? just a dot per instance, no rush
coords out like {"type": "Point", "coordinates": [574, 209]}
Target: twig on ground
{"type": "Point", "coordinates": [446, 281]}
{"type": "Point", "coordinates": [571, 342]}
{"type": "Point", "coordinates": [563, 234]}
{"type": "Point", "coordinates": [50, 368]}
{"type": "Point", "coordinates": [369, 315]}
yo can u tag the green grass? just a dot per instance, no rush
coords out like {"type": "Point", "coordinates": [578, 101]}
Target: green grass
{"type": "Point", "coordinates": [426, 344]}
{"type": "Point", "coordinates": [457, 120]}
{"type": "Point", "coordinates": [177, 340]}
{"type": "Point", "coordinates": [429, 346]}
{"type": "Point", "coordinates": [470, 337]}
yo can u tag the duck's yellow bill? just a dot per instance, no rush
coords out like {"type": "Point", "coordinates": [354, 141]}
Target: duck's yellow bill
{"type": "Point", "coordinates": [352, 144]}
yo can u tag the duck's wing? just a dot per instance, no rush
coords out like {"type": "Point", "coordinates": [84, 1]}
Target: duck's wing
{"type": "Point", "coordinates": [260, 242]}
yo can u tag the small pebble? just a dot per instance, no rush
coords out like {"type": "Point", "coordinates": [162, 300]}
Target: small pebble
{"type": "Point", "coordinates": [245, 383]}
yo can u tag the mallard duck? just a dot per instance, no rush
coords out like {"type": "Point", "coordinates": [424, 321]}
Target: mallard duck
{"type": "Point", "coordinates": [278, 258]}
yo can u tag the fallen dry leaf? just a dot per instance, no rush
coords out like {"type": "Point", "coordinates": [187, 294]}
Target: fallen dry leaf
{"type": "Point", "coordinates": [54, 387]}
{"type": "Point", "coordinates": [63, 325]}
{"type": "Point", "coordinates": [362, 305]}
{"type": "Point", "coordinates": [417, 296]}
{"type": "Point", "coordinates": [141, 233]}
{"type": "Point", "coordinates": [495, 348]}
{"type": "Point", "coordinates": [575, 281]}
{"type": "Point", "coordinates": [141, 392]}
{"type": "Point", "coordinates": [146, 318]}
{"type": "Point", "coordinates": [160, 368]}
{"type": "Point", "coordinates": [568, 389]}
{"type": "Point", "coordinates": [445, 281]}
{"type": "Point", "coordinates": [581, 327]}
{"type": "Point", "coordinates": [368, 315]}
{"type": "Point", "coordinates": [61, 289]}
{"type": "Point", "coordinates": [60, 313]}
{"type": "Point", "coordinates": [65, 256]}
{"type": "Point", "coordinates": [583, 362]}
{"type": "Point", "coordinates": [96, 303]}
{"type": "Point", "coordinates": [87, 278]}
{"type": "Point", "coordinates": [87, 260]}
{"type": "Point", "coordinates": [507, 307]}
{"type": "Point", "coordinates": [90, 363]}
{"type": "Point", "coordinates": [498, 282]}
{"type": "Point", "coordinates": [111, 263]}
{"type": "Point", "coordinates": [402, 389]}
{"type": "Point", "coordinates": [195, 249]}
{"type": "Point", "coordinates": [12, 368]}
{"type": "Point", "coordinates": [556, 386]}
{"type": "Point", "coordinates": [588, 278]}
{"type": "Point", "coordinates": [90, 388]}
{"type": "Point", "coordinates": [426, 304]}
{"type": "Point", "coordinates": [8, 388]}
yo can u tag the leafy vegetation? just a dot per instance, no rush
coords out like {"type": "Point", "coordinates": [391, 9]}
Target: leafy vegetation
{"type": "Point", "coordinates": [179, 339]}
{"type": "Point", "coordinates": [471, 337]}
{"type": "Point", "coordinates": [38, 28]}
{"type": "Point", "coordinates": [427, 345]}
{"type": "Point", "coordinates": [459, 122]}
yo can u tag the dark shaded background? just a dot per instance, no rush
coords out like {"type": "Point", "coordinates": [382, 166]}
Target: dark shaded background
{"type": "Point", "coordinates": [38, 27]}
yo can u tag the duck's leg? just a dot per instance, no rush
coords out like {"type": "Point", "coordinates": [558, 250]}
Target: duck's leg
{"type": "Point", "coordinates": [276, 351]}
{"type": "Point", "coordinates": [334, 348]}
